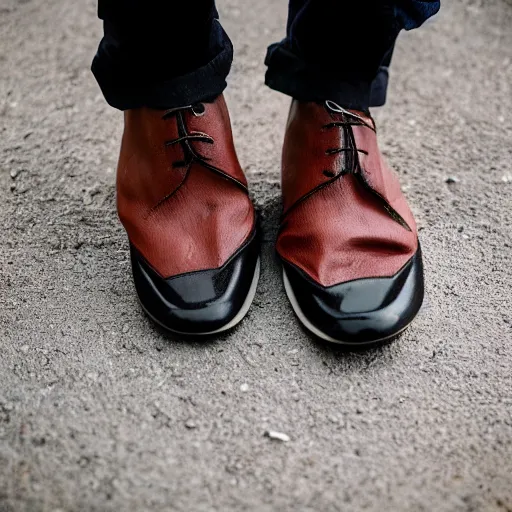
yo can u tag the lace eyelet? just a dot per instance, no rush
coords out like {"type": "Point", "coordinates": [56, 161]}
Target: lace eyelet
{"type": "Point", "coordinates": [199, 110]}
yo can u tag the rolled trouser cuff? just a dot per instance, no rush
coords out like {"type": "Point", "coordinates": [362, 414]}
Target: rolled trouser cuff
{"type": "Point", "coordinates": [288, 74]}
{"type": "Point", "coordinates": [124, 90]}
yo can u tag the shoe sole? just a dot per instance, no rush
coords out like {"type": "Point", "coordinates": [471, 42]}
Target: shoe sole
{"type": "Point", "coordinates": [317, 332]}
{"type": "Point", "coordinates": [238, 318]}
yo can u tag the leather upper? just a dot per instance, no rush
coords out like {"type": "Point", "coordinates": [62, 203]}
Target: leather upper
{"type": "Point", "coordinates": [181, 193]}
{"type": "Point", "coordinates": [344, 215]}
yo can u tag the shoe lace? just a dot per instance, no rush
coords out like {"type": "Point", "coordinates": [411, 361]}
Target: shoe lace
{"type": "Point", "coordinates": [191, 154]}
{"type": "Point", "coordinates": [352, 165]}
{"type": "Point", "coordinates": [184, 136]}
{"type": "Point", "coordinates": [349, 119]}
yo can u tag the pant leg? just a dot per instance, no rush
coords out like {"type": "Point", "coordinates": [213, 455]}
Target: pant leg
{"type": "Point", "coordinates": [161, 53]}
{"type": "Point", "coordinates": [334, 48]}
{"type": "Point", "coordinates": [379, 86]}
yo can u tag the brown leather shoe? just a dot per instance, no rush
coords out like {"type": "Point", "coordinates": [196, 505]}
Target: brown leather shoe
{"type": "Point", "coordinates": [182, 198]}
{"type": "Point", "coordinates": [352, 263]}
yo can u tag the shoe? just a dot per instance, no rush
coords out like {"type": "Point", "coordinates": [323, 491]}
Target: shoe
{"type": "Point", "coordinates": [352, 265]}
{"type": "Point", "coordinates": [182, 198]}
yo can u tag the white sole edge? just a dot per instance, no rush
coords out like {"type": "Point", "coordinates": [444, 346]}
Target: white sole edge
{"type": "Point", "coordinates": [238, 318]}
{"type": "Point", "coordinates": [317, 332]}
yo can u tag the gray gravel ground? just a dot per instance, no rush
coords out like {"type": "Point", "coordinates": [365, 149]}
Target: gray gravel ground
{"type": "Point", "coordinates": [99, 412]}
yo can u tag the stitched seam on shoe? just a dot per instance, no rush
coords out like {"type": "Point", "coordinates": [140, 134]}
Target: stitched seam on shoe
{"type": "Point", "coordinates": [307, 275]}
{"type": "Point", "coordinates": [247, 239]}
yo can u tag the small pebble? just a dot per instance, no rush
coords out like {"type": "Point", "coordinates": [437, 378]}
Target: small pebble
{"type": "Point", "coordinates": [190, 424]}
{"type": "Point", "coordinates": [244, 387]}
{"type": "Point", "coordinates": [451, 179]}
{"type": "Point", "coordinates": [278, 436]}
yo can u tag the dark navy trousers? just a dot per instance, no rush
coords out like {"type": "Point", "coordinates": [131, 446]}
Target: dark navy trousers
{"type": "Point", "coordinates": [170, 53]}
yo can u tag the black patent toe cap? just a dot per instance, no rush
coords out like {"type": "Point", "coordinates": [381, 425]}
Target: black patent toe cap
{"type": "Point", "coordinates": [202, 302]}
{"type": "Point", "coordinates": [360, 312]}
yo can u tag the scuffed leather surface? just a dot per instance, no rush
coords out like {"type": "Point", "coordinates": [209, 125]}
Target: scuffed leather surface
{"type": "Point", "coordinates": [182, 219]}
{"type": "Point", "coordinates": [340, 231]}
